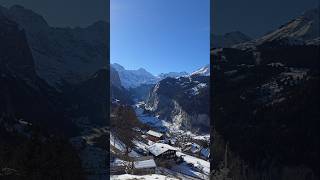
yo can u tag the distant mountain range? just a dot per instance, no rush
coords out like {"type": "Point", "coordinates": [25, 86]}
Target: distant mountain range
{"type": "Point", "coordinates": [135, 78]}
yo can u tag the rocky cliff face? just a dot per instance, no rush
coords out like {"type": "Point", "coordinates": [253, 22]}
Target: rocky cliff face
{"type": "Point", "coordinates": [114, 78]}
{"type": "Point", "coordinates": [182, 101]}
{"type": "Point", "coordinates": [118, 93]}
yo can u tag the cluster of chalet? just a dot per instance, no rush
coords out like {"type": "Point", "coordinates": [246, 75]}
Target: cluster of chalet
{"type": "Point", "coordinates": [158, 152]}
{"type": "Point", "coordinates": [197, 150]}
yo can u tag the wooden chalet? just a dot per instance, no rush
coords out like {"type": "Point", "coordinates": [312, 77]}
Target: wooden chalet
{"type": "Point", "coordinates": [154, 136]}
{"type": "Point", "coordinates": [162, 151]}
{"type": "Point", "coordinates": [144, 165]}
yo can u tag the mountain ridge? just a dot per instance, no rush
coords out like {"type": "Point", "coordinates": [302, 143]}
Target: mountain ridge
{"type": "Point", "coordinates": [62, 54]}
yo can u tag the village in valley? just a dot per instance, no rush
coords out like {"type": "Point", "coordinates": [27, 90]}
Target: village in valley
{"type": "Point", "coordinates": [154, 149]}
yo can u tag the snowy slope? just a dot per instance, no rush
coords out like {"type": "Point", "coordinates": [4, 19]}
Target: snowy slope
{"type": "Point", "coordinates": [299, 31]}
{"type": "Point", "coordinates": [204, 71]}
{"type": "Point", "coordinates": [303, 28]}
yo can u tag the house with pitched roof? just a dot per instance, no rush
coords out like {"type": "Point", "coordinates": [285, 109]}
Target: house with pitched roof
{"type": "Point", "coordinates": [154, 136]}
{"type": "Point", "coordinates": [162, 151]}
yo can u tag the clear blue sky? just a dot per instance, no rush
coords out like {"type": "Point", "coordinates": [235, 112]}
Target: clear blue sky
{"type": "Point", "coordinates": [160, 35]}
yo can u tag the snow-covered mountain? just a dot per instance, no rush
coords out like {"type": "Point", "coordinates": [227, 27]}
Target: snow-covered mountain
{"type": "Point", "coordinates": [204, 71]}
{"type": "Point", "coordinates": [172, 74]}
{"type": "Point", "coordinates": [62, 54]}
{"type": "Point", "coordinates": [182, 101]}
{"type": "Point", "coordinates": [303, 28]}
{"type": "Point", "coordinates": [228, 39]}
{"type": "Point", "coordinates": [134, 78]}
{"type": "Point", "coordinates": [299, 31]}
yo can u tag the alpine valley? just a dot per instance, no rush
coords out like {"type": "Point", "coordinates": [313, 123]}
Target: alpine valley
{"type": "Point", "coordinates": [174, 106]}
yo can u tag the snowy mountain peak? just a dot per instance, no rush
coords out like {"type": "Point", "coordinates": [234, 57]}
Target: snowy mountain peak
{"type": "Point", "coordinates": [303, 28]}
{"type": "Point", "coordinates": [299, 31]}
{"type": "Point", "coordinates": [204, 71]}
{"type": "Point", "coordinates": [143, 71]}
{"type": "Point", "coordinates": [117, 67]}
{"type": "Point", "coordinates": [134, 78]}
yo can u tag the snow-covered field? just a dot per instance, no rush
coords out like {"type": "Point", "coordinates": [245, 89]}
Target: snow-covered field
{"type": "Point", "coordinates": [197, 163]}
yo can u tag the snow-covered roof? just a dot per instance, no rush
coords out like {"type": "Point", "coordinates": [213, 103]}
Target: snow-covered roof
{"type": "Point", "coordinates": [154, 133]}
{"type": "Point", "coordinates": [149, 176]}
{"type": "Point", "coordinates": [147, 163]}
{"type": "Point", "coordinates": [158, 148]}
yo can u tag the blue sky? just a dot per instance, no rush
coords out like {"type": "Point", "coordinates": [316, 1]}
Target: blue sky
{"type": "Point", "coordinates": [160, 35]}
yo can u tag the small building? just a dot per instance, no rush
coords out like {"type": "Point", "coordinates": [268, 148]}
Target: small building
{"type": "Point", "coordinates": [154, 136]}
{"type": "Point", "coordinates": [144, 165]}
{"type": "Point", "coordinates": [162, 151]}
